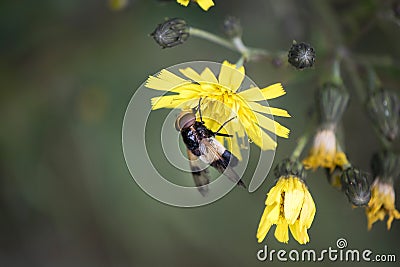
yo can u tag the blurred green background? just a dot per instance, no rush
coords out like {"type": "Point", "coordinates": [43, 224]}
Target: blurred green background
{"type": "Point", "coordinates": [68, 71]}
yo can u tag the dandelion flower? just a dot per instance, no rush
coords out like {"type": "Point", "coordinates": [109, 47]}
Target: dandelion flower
{"type": "Point", "coordinates": [325, 151]}
{"type": "Point", "coordinates": [289, 205]}
{"type": "Point", "coordinates": [382, 203]}
{"type": "Point", "coordinates": [204, 4]}
{"type": "Point", "coordinates": [221, 101]}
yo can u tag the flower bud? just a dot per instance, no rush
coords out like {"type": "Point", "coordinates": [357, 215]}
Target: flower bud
{"type": "Point", "coordinates": [232, 27]}
{"type": "Point", "coordinates": [171, 33]}
{"type": "Point", "coordinates": [301, 55]}
{"type": "Point", "coordinates": [385, 165]}
{"type": "Point", "coordinates": [383, 108]}
{"type": "Point", "coordinates": [356, 186]}
{"type": "Point", "coordinates": [333, 100]}
{"type": "Point", "coordinates": [290, 167]}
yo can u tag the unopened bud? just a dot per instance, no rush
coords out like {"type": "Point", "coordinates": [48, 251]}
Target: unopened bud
{"type": "Point", "coordinates": [232, 27]}
{"type": "Point", "coordinates": [383, 107]}
{"type": "Point", "coordinates": [333, 100]}
{"type": "Point", "coordinates": [385, 165]}
{"type": "Point", "coordinates": [356, 186]}
{"type": "Point", "coordinates": [171, 33]}
{"type": "Point", "coordinates": [301, 55]}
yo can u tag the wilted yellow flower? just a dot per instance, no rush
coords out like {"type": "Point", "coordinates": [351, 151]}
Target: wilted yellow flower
{"type": "Point", "coordinates": [221, 101]}
{"type": "Point", "coordinates": [325, 151]}
{"type": "Point", "coordinates": [289, 204]}
{"type": "Point", "coordinates": [204, 4]}
{"type": "Point", "coordinates": [381, 203]}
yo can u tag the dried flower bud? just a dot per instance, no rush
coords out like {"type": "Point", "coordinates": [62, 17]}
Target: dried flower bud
{"type": "Point", "coordinates": [334, 177]}
{"type": "Point", "coordinates": [290, 167]}
{"type": "Point", "coordinates": [384, 107]}
{"type": "Point", "coordinates": [385, 165]}
{"type": "Point", "coordinates": [356, 186]}
{"type": "Point", "coordinates": [232, 27]}
{"type": "Point", "coordinates": [333, 100]}
{"type": "Point", "coordinates": [301, 55]}
{"type": "Point", "coordinates": [171, 33]}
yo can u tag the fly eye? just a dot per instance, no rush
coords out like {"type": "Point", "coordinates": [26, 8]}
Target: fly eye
{"type": "Point", "coordinates": [184, 120]}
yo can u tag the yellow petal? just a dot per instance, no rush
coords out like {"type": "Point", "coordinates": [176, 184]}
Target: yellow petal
{"type": "Point", "coordinates": [252, 94]}
{"type": "Point", "coordinates": [165, 81]}
{"type": "Point", "coordinates": [172, 101]}
{"type": "Point", "coordinates": [208, 75]}
{"type": "Point", "coordinates": [205, 4]}
{"type": "Point", "coordinates": [272, 126]}
{"type": "Point", "coordinates": [268, 110]}
{"type": "Point", "coordinates": [183, 2]}
{"type": "Point", "coordinates": [273, 91]}
{"type": "Point", "coordinates": [260, 138]}
{"type": "Point", "coordinates": [191, 74]}
{"type": "Point", "coordinates": [282, 231]}
{"type": "Point", "coordinates": [230, 76]}
{"type": "Point", "coordinates": [170, 77]}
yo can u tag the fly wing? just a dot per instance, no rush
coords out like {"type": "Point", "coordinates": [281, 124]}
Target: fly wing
{"type": "Point", "coordinates": [215, 154]}
{"type": "Point", "coordinates": [200, 174]}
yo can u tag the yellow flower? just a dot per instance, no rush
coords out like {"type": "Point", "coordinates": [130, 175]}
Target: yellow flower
{"type": "Point", "coordinates": [222, 101]}
{"type": "Point", "coordinates": [325, 151]}
{"type": "Point", "coordinates": [289, 205]}
{"type": "Point", "coordinates": [381, 203]}
{"type": "Point", "coordinates": [204, 4]}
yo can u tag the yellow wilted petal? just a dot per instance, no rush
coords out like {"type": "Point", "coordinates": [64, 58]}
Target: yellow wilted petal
{"type": "Point", "coordinates": [274, 195]}
{"type": "Point", "coordinates": [205, 4]}
{"type": "Point", "coordinates": [294, 197]}
{"type": "Point", "coordinates": [183, 2]}
{"type": "Point", "coordinates": [264, 226]}
{"type": "Point", "coordinates": [208, 75]}
{"type": "Point", "coordinates": [268, 110]}
{"type": "Point", "coordinates": [308, 210]}
{"type": "Point", "coordinates": [299, 233]}
{"type": "Point", "coordinates": [282, 231]}
{"type": "Point", "coordinates": [273, 91]}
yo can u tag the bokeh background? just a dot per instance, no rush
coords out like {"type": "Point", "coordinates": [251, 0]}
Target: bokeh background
{"type": "Point", "coordinates": [68, 70]}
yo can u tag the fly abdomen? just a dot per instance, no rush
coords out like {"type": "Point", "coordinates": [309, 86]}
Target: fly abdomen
{"type": "Point", "coordinates": [229, 158]}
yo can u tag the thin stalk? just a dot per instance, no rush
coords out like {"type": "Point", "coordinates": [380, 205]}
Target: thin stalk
{"type": "Point", "coordinates": [301, 143]}
{"type": "Point", "coordinates": [212, 38]}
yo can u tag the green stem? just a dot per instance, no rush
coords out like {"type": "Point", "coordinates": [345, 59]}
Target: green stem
{"type": "Point", "coordinates": [236, 44]}
{"type": "Point", "coordinates": [374, 82]}
{"type": "Point", "coordinates": [336, 76]}
{"type": "Point", "coordinates": [212, 38]}
{"type": "Point", "coordinates": [301, 143]}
